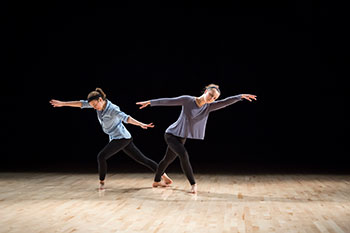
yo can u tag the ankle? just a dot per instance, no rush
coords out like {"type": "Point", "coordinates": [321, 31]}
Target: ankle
{"type": "Point", "coordinates": [194, 188]}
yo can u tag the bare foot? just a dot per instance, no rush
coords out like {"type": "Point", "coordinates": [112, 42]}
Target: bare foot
{"type": "Point", "coordinates": [194, 189]}
{"type": "Point", "coordinates": [159, 184]}
{"type": "Point", "coordinates": [167, 179]}
{"type": "Point", "coordinates": [102, 185]}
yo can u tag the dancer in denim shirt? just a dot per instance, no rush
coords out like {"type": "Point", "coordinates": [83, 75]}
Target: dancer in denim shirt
{"type": "Point", "coordinates": [111, 119]}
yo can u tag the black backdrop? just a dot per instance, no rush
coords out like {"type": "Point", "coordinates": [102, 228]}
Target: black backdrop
{"type": "Point", "coordinates": [290, 54]}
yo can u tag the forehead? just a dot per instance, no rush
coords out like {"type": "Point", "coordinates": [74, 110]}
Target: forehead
{"type": "Point", "coordinates": [213, 91]}
{"type": "Point", "coordinates": [93, 102]}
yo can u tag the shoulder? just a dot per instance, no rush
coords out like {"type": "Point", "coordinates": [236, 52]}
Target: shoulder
{"type": "Point", "coordinates": [186, 97]}
{"type": "Point", "coordinates": [112, 107]}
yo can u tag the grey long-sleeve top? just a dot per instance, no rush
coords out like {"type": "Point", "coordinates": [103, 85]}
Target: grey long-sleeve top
{"type": "Point", "coordinates": [193, 119]}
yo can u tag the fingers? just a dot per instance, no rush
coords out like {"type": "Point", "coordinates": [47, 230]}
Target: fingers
{"type": "Point", "coordinates": [143, 104]}
{"type": "Point", "coordinates": [246, 97]}
{"type": "Point", "coordinates": [150, 125]}
{"type": "Point", "coordinates": [249, 97]}
{"type": "Point", "coordinates": [253, 97]}
{"type": "Point", "coordinates": [139, 103]}
{"type": "Point", "coordinates": [53, 103]}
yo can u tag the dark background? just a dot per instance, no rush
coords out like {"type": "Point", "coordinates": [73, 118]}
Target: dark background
{"type": "Point", "coordinates": [291, 54]}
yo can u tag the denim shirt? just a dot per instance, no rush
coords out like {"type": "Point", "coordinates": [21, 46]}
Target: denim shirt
{"type": "Point", "coordinates": [111, 120]}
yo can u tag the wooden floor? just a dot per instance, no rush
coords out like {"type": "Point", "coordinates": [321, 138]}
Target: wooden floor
{"type": "Point", "coordinates": [62, 202]}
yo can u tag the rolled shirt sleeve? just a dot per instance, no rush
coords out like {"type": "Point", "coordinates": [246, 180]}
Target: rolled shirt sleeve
{"type": "Point", "coordinates": [85, 104]}
{"type": "Point", "coordinates": [120, 115]}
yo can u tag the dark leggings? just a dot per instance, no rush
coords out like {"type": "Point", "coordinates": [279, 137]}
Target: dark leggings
{"type": "Point", "coordinates": [129, 148]}
{"type": "Point", "coordinates": [176, 147]}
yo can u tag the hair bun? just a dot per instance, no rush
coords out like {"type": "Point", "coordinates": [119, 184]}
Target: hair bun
{"type": "Point", "coordinates": [99, 90]}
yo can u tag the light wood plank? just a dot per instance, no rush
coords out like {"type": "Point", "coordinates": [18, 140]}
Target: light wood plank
{"type": "Point", "coordinates": [61, 202]}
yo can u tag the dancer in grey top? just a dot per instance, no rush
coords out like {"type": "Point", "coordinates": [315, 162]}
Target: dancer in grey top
{"type": "Point", "coordinates": [193, 119]}
{"type": "Point", "coordinates": [190, 124]}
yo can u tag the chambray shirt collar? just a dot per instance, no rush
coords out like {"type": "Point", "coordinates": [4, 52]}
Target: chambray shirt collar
{"type": "Point", "coordinates": [108, 104]}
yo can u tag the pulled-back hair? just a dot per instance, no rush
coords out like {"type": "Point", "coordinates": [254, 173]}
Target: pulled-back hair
{"type": "Point", "coordinates": [96, 94]}
{"type": "Point", "coordinates": [212, 86]}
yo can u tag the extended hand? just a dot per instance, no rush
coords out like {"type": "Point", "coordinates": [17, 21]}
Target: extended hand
{"type": "Point", "coordinates": [143, 104]}
{"type": "Point", "coordinates": [144, 126]}
{"type": "Point", "coordinates": [56, 103]}
{"type": "Point", "coordinates": [249, 97]}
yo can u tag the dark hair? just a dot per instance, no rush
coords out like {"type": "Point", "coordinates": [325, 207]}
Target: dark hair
{"type": "Point", "coordinates": [212, 86]}
{"type": "Point", "coordinates": [97, 93]}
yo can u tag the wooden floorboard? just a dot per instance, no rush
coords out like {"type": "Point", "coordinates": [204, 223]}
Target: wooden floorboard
{"type": "Point", "coordinates": [64, 202]}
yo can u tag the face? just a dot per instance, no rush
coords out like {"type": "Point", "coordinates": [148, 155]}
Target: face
{"type": "Point", "coordinates": [210, 95]}
{"type": "Point", "coordinates": [97, 104]}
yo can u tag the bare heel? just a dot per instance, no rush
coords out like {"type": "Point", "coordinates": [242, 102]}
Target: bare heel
{"type": "Point", "coordinates": [193, 189]}
{"type": "Point", "coordinates": [167, 179]}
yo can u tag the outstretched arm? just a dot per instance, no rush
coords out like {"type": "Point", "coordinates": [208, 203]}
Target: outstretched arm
{"type": "Point", "coordinates": [57, 103]}
{"type": "Point", "coordinates": [176, 101]}
{"type": "Point", "coordinates": [128, 119]}
{"type": "Point", "coordinates": [138, 123]}
{"type": "Point", "coordinates": [230, 100]}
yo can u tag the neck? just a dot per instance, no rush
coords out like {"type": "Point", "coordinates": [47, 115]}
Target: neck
{"type": "Point", "coordinates": [200, 101]}
{"type": "Point", "coordinates": [104, 105]}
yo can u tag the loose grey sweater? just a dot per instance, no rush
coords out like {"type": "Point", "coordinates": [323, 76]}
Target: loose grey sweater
{"type": "Point", "coordinates": [193, 119]}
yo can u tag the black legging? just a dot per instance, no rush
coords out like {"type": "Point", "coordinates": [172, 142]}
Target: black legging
{"type": "Point", "coordinates": [129, 148]}
{"type": "Point", "coordinates": [176, 147]}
